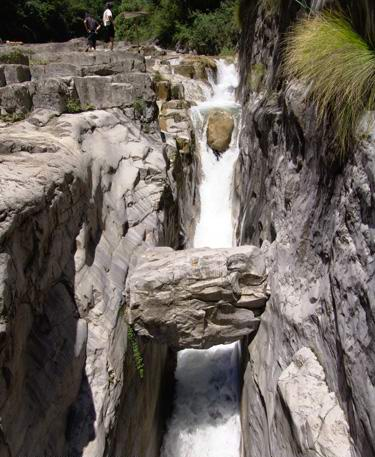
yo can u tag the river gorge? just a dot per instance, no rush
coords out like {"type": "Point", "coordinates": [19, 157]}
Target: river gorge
{"type": "Point", "coordinates": [185, 268]}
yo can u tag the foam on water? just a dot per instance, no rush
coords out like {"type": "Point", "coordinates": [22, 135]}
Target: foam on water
{"type": "Point", "coordinates": [205, 420]}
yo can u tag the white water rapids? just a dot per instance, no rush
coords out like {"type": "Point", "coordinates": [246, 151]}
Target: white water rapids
{"type": "Point", "coordinates": [205, 420]}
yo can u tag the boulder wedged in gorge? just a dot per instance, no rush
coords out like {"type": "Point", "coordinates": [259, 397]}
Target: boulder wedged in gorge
{"type": "Point", "coordinates": [198, 297]}
{"type": "Point", "coordinates": [219, 130]}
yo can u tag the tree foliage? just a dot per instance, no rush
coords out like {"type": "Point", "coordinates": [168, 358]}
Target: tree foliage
{"type": "Point", "coordinates": [45, 20]}
{"type": "Point", "coordinates": [206, 26]}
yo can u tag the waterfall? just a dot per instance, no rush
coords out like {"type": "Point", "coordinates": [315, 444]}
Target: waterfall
{"type": "Point", "coordinates": [206, 420]}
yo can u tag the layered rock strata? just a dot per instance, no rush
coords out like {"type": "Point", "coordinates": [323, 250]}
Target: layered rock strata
{"type": "Point", "coordinates": [197, 298]}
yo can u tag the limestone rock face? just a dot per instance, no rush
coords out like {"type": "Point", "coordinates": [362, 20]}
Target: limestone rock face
{"type": "Point", "coordinates": [198, 297]}
{"type": "Point", "coordinates": [101, 80]}
{"type": "Point", "coordinates": [317, 217]}
{"type": "Point", "coordinates": [78, 194]}
{"type": "Point", "coordinates": [319, 424]}
{"type": "Point", "coordinates": [219, 130]}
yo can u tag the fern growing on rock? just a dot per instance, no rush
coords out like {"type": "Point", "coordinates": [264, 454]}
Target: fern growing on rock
{"type": "Point", "coordinates": [338, 65]}
{"type": "Point", "coordinates": [137, 355]}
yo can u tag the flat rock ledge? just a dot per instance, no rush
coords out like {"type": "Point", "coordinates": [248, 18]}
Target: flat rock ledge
{"type": "Point", "coordinates": [197, 298]}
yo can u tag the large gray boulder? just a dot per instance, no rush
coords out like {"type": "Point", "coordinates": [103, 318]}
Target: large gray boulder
{"type": "Point", "coordinates": [198, 297]}
{"type": "Point", "coordinates": [219, 130]}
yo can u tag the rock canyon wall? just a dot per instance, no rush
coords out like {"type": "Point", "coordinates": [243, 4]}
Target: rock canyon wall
{"type": "Point", "coordinates": [315, 219]}
{"type": "Point", "coordinates": [79, 193]}
{"type": "Point", "coordinates": [97, 165]}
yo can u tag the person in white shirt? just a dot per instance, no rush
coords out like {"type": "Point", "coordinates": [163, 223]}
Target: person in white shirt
{"type": "Point", "coordinates": [109, 30]}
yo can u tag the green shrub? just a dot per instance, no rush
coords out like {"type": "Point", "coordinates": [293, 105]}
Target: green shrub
{"type": "Point", "coordinates": [210, 33]}
{"type": "Point", "coordinates": [137, 355]}
{"type": "Point", "coordinates": [325, 53]}
{"type": "Point", "coordinates": [206, 27]}
{"type": "Point", "coordinates": [14, 57]}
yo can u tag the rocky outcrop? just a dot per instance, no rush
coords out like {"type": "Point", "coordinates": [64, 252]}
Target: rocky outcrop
{"type": "Point", "coordinates": [78, 194]}
{"type": "Point", "coordinates": [197, 298]}
{"type": "Point", "coordinates": [220, 127]}
{"type": "Point", "coordinates": [196, 67]}
{"type": "Point", "coordinates": [58, 81]}
{"type": "Point", "coordinates": [317, 420]}
{"type": "Point", "coordinates": [317, 216]}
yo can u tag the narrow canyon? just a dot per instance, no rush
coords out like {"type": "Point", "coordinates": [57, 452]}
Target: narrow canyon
{"type": "Point", "coordinates": [187, 267]}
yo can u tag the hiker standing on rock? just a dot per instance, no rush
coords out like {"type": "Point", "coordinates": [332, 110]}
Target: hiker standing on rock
{"type": "Point", "coordinates": [109, 30]}
{"type": "Point", "coordinates": [92, 28]}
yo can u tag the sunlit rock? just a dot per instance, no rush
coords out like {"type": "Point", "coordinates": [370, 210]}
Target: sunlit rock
{"type": "Point", "coordinates": [317, 419]}
{"type": "Point", "coordinates": [219, 130]}
{"type": "Point", "coordinates": [198, 297]}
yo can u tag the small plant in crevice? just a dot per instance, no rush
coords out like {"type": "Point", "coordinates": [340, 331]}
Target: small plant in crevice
{"type": "Point", "coordinates": [158, 77]}
{"type": "Point", "coordinates": [137, 355]}
{"type": "Point", "coordinates": [11, 118]}
{"type": "Point", "coordinates": [38, 62]}
{"type": "Point", "coordinates": [139, 106]}
{"type": "Point", "coordinates": [338, 65]}
{"type": "Point", "coordinates": [73, 106]}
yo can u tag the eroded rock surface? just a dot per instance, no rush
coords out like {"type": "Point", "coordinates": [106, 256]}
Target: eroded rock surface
{"type": "Point", "coordinates": [78, 194]}
{"type": "Point", "coordinates": [318, 217]}
{"type": "Point", "coordinates": [319, 424]}
{"type": "Point", "coordinates": [198, 297]}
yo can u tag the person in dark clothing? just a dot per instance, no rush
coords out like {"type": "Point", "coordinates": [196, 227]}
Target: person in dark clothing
{"type": "Point", "coordinates": [109, 29]}
{"type": "Point", "coordinates": [92, 28]}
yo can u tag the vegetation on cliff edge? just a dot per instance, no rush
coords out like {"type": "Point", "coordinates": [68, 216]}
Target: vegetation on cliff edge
{"type": "Point", "coordinates": [338, 66]}
{"type": "Point", "coordinates": [206, 26]}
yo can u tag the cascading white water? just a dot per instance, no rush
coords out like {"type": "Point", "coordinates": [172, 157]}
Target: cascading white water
{"type": "Point", "coordinates": [206, 421]}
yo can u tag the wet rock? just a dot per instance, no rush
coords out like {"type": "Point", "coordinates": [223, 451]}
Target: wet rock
{"type": "Point", "coordinates": [196, 67]}
{"type": "Point", "coordinates": [219, 130]}
{"type": "Point", "coordinates": [192, 298]}
{"type": "Point", "coordinates": [187, 71]}
{"type": "Point", "coordinates": [174, 117]}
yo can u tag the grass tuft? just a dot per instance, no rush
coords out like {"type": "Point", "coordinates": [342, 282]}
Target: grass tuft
{"type": "Point", "coordinates": [338, 65]}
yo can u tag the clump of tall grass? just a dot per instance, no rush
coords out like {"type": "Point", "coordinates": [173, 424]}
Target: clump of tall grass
{"type": "Point", "coordinates": [325, 52]}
